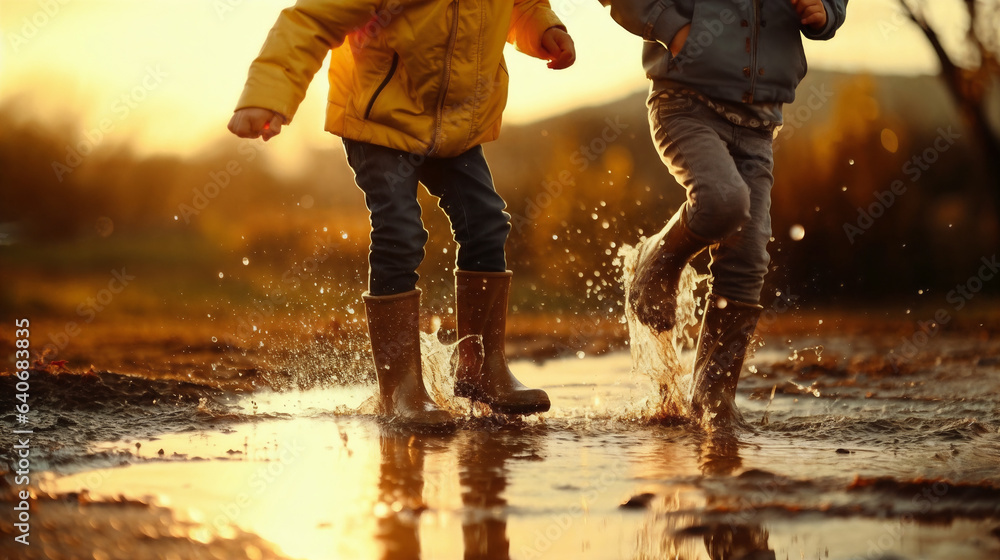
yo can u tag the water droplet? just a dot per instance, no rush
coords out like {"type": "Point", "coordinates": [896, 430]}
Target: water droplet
{"type": "Point", "coordinates": [246, 261]}
{"type": "Point", "coordinates": [721, 303]}
{"type": "Point", "coordinates": [605, 224]}
{"type": "Point", "coordinates": [221, 275]}
{"type": "Point", "coordinates": [850, 162]}
{"type": "Point", "coordinates": [176, 218]}
{"type": "Point", "coordinates": [307, 202]}
{"type": "Point", "coordinates": [343, 235]}
{"type": "Point", "coordinates": [105, 226]}
{"type": "Point", "coordinates": [889, 140]}
{"type": "Point", "coordinates": [215, 339]}
{"type": "Point", "coordinates": [581, 354]}
{"type": "Point", "coordinates": [797, 232]}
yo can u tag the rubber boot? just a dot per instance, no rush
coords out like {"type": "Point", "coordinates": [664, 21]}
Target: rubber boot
{"type": "Point", "coordinates": [653, 293]}
{"type": "Point", "coordinates": [393, 325]}
{"type": "Point", "coordinates": [726, 330]}
{"type": "Point", "coordinates": [482, 310]}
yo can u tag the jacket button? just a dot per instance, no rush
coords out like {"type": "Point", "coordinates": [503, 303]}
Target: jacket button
{"type": "Point", "coordinates": [763, 23]}
{"type": "Point", "coordinates": [760, 71]}
{"type": "Point", "coordinates": [748, 98]}
{"type": "Point", "coordinates": [746, 71]}
{"type": "Point", "coordinates": [748, 44]}
{"type": "Point", "coordinates": [744, 23]}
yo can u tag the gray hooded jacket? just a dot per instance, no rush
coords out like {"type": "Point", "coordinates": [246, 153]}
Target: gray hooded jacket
{"type": "Point", "coordinates": [743, 51]}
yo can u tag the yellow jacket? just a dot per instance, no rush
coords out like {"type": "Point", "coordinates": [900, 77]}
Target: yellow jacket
{"type": "Point", "coordinates": [423, 76]}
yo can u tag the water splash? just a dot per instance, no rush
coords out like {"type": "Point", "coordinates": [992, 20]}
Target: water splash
{"type": "Point", "coordinates": [439, 363]}
{"type": "Point", "coordinates": [659, 356]}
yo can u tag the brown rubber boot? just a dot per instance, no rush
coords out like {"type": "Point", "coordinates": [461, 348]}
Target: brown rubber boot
{"type": "Point", "coordinates": [653, 293]}
{"type": "Point", "coordinates": [395, 335]}
{"type": "Point", "coordinates": [726, 330]}
{"type": "Point", "coordinates": [482, 310]}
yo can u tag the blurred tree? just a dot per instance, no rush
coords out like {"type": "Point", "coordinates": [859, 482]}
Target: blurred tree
{"type": "Point", "coordinates": [971, 71]}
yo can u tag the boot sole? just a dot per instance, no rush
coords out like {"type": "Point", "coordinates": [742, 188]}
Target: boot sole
{"type": "Point", "coordinates": [404, 425]}
{"type": "Point", "coordinates": [467, 392]}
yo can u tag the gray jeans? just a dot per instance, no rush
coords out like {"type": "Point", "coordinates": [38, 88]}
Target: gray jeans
{"type": "Point", "coordinates": [726, 170]}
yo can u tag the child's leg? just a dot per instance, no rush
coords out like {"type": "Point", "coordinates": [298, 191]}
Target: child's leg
{"type": "Point", "coordinates": [465, 188]}
{"type": "Point", "coordinates": [482, 283]}
{"type": "Point", "coordinates": [392, 304]}
{"type": "Point", "coordinates": [389, 182]}
{"type": "Point", "coordinates": [740, 261]}
{"type": "Point", "coordinates": [693, 141]}
{"type": "Point", "coordinates": [726, 170]}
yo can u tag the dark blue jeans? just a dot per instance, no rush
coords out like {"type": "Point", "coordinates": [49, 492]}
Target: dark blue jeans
{"type": "Point", "coordinates": [464, 186]}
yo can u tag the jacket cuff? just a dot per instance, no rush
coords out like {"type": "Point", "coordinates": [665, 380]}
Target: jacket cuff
{"type": "Point", "coordinates": [664, 25]}
{"type": "Point", "coordinates": [266, 91]}
{"type": "Point", "coordinates": [536, 26]}
{"type": "Point", "coordinates": [828, 30]}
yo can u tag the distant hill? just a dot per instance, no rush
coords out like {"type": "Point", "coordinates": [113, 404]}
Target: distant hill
{"type": "Point", "coordinates": [846, 138]}
{"type": "Point", "coordinates": [578, 187]}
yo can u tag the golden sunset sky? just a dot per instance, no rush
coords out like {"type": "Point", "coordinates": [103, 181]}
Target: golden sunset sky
{"type": "Point", "coordinates": [166, 73]}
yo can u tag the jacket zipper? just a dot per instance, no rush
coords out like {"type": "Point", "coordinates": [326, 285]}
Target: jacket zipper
{"type": "Point", "coordinates": [385, 82]}
{"type": "Point", "coordinates": [755, 39]}
{"type": "Point", "coordinates": [452, 39]}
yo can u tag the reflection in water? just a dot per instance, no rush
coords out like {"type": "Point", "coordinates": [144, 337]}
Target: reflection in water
{"type": "Point", "coordinates": [484, 529]}
{"type": "Point", "coordinates": [679, 527]}
{"type": "Point", "coordinates": [719, 455]}
{"type": "Point", "coordinates": [482, 458]}
{"type": "Point", "coordinates": [401, 489]}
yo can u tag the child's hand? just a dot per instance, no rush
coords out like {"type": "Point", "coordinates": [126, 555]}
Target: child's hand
{"type": "Point", "coordinates": [812, 13]}
{"type": "Point", "coordinates": [559, 47]}
{"type": "Point", "coordinates": [252, 122]}
{"type": "Point", "coordinates": [677, 43]}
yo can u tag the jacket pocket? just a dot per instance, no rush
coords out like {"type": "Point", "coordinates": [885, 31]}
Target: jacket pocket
{"type": "Point", "coordinates": [381, 86]}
